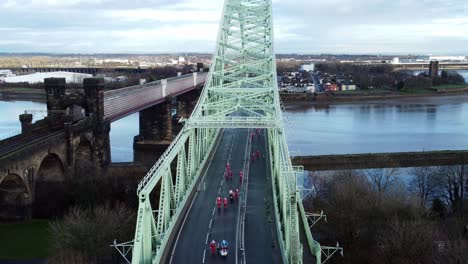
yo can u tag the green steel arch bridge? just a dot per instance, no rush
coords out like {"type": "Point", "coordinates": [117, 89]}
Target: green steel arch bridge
{"type": "Point", "coordinates": [238, 120]}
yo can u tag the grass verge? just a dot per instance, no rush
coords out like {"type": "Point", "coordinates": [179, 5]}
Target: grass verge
{"type": "Point", "coordinates": [451, 86]}
{"type": "Point", "coordinates": [26, 240]}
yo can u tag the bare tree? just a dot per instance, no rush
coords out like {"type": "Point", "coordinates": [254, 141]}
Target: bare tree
{"type": "Point", "coordinates": [84, 235]}
{"type": "Point", "coordinates": [403, 241]}
{"type": "Point", "coordinates": [351, 198]}
{"type": "Point", "coordinates": [318, 181]}
{"type": "Point", "coordinates": [424, 184]}
{"type": "Point", "coordinates": [454, 179]}
{"type": "Point", "coordinates": [381, 180]}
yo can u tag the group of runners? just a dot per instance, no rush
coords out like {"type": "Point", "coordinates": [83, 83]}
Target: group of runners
{"type": "Point", "coordinates": [222, 202]}
{"type": "Point", "coordinates": [233, 194]}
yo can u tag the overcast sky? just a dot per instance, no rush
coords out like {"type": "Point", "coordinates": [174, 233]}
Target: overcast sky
{"type": "Point", "coordinates": [301, 26]}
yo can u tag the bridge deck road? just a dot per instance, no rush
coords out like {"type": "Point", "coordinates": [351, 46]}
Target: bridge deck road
{"type": "Point", "coordinates": [204, 222]}
{"type": "Point", "coordinates": [261, 239]}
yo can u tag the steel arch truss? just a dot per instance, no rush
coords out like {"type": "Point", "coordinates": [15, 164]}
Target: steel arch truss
{"type": "Point", "coordinates": [241, 92]}
{"type": "Point", "coordinates": [172, 178]}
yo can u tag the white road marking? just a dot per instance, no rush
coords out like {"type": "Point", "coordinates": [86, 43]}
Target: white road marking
{"type": "Point", "coordinates": [219, 192]}
{"type": "Point", "coordinates": [193, 200]}
{"type": "Point", "coordinates": [246, 169]}
{"type": "Point", "coordinates": [181, 227]}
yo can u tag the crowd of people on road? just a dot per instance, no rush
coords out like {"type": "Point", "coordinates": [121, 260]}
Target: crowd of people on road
{"type": "Point", "coordinates": [222, 202]}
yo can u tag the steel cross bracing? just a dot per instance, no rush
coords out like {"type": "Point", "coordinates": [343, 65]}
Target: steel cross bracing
{"type": "Point", "coordinates": [240, 92]}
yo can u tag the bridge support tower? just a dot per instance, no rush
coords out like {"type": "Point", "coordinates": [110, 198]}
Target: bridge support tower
{"type": "Point", "coordinates": [156, 133]}
{"type": "Point", "coordinates": [158, 126]}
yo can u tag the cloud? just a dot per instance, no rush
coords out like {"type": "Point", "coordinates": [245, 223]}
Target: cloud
{"type": "Point", "coordinates": [82, 4]}
{"type": "Point", "coordinates": [141, 26]}
{"type": "Point", "coordinates": [161, 15]}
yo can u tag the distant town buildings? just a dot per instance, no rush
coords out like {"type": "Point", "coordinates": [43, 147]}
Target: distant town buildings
{"type": "Point", "coordinates": [102, 60]}
{"type": "Point", "coordinates": [449, 58]}
{"type": "Point", "coordinates": [297, 82]}
{"type": "Point", "coordinates": [429, 58]}
{"type": "Point", "coordinates": [6, 73]}
{"type": "Point", "coordinates": [337, 82]}
{"type": "Point", "coordinates": [181, 60]}
{"type": "Point", "coordinates": [348, 86]}
{"type": "Point", "coordinates": [331, 87]}
{"type": "Point", "coordinates": [307, 80]}
{"type": "Point", "coordinates": [308, 67]}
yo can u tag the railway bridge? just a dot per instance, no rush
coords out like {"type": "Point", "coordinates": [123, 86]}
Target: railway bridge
{"type": "Point", "coordinates": [75, 135]}
{"type": "Point", "coordinates": [235, 129]}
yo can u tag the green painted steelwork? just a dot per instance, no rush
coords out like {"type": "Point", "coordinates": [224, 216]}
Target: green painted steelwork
{"type": "Point", "coordinates": [240, 92]}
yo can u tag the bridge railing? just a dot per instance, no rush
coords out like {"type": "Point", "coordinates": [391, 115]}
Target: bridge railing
{"type": "Point", "coordinates": [170, 81]}
{"type": "Point", "coordinates": [125, 101]}
{"type": "Point", "coordinates": [131, 100]}
{"type": "Point", "coordinates": [117, 92]}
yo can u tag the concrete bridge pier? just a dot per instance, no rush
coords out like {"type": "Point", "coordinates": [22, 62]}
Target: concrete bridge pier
{"type": "Point", "coordinates": [94, 109]}
{"type": "Point", "coordinates": [102, 153]}
{"type": "Point", "coordinates": [156, 133]}
{"type": "Point", "coordinates": [185, 104]}
{"type": "Point", "coordinates": [158, 128]}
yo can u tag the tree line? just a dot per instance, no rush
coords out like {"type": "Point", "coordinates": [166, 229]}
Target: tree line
{"type": "Point", "coordinates": [379, 218]}
{"type": "Point", "coordinates": [384, 76]}
{"type": "Point", "coordinates": [87, 212]}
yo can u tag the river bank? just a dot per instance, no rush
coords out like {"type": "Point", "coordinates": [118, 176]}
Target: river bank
{"type": "Point", "coordinates": [362, 96]}
{"type": "Point", "coordinates": [382, 160]}
{"type": "Point", "coordinates": [22, 94]}
{"type": "Point", "coordinates": [38, 95]}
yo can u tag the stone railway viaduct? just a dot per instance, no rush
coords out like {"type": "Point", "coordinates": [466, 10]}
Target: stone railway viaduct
{"type": "Point", "coordinates": [75, 135]}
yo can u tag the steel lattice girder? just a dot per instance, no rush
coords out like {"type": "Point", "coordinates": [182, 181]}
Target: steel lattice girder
{"type": "Point", "coordinates": [153, 226]}
{"type": "Point", "coordinates": [240, 92]}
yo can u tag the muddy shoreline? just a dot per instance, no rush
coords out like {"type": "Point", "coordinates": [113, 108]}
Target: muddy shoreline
{"type": "Point", "coordinates": [304, 99]}
{"type": "Point", "coordinates": [15, 94]}
{"type": "Point", "coordinates": [294, 106]}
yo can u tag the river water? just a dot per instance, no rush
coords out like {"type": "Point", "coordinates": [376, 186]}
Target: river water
{"type": "Point", "coordinates": [436, 123]}
{"type": "Point", "coordinates": [9, 116]}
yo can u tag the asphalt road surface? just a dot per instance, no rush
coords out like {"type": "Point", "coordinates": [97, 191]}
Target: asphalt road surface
{"type": "Point", "coordinates": [260, 233]}
{"type": "Point", "coordinates": [252, 242]}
